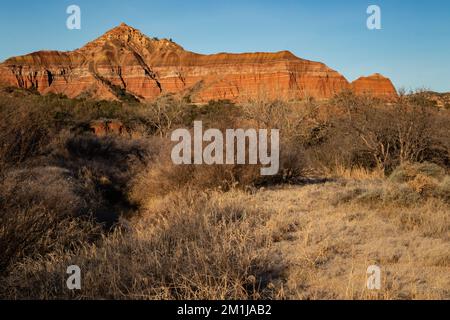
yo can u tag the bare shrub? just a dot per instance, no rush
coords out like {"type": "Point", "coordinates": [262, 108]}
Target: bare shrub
{"type": "Point", "coordinates": [163, 177]}
{"type": "Point", "coordinates": [24, 132]}
{"type": "Point", "coordinates": [42, 209]}
{"type": "Point", "coordinates": [210, 248]}
{"type": "Point", "coordinates": [53, 187]}
{"type": "Point", "coordinates": [162, 115]}
{"type": "Point", "coordinates": [376, 134]}
{"type": "Point", "coordinates": [34, 230]}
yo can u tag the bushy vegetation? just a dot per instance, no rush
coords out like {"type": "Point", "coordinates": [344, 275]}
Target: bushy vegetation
{"type": "Point", "coordinates": [147, 229]}
{"type": "Point", "coordinates": [212, 248]}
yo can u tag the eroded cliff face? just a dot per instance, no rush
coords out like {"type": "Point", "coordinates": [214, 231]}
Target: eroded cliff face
{"type": "Point", "coordinates": [125, 62]}
{"type": "Point", "coordinates": [375, 84]}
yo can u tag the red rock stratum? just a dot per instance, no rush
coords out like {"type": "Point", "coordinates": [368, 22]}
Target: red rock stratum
{"type": "Point", "coordinates": [375, 84]}
{"type": "Point", "coordinates": [125, 62]}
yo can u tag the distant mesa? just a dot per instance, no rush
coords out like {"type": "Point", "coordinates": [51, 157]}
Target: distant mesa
{"type": "Point", "coordinates": [374, 84]}
{"type": "Point", "coordinates": [125, 63]}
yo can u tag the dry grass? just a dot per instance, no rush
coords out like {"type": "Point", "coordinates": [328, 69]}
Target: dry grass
{"type": "Point", "coordinates": [141, 228]}
{"type": "Point", "coordinates": [210, 248]}
{"type": "Point", "coordinates": [329, 247]}
{"type": "Point", "coordinates": [356, 173]}
{"type": "Point", "coordinates": [297, 242]}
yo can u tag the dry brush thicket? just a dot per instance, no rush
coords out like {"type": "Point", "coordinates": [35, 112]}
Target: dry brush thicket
{"type": "Point", "coordinates": [362, 181]}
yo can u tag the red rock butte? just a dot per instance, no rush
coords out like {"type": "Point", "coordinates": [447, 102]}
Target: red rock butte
{"type": "Point", "coordinates": [126, 62]}
{"type": "Point", "coordinates": [375, 84]}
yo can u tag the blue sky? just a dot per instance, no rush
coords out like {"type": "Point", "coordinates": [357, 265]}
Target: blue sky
{"type": "Point", "coordinates": [413, 47]}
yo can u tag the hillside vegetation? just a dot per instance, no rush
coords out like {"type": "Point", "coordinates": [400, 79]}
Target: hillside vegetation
{"type": "Point", "coordinates": [362, 182]}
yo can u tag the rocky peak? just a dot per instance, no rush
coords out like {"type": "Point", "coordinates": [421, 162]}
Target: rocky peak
{"type": "Point", "coordinates": [376, 76]}
{"type": "Point", "coordinates": [126, 36]}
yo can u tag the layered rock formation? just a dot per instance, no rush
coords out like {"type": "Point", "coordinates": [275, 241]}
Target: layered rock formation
{"type": "Point", "coordinates": [375, 84]}
{"type": "Point", "coordinates": [124, 63]}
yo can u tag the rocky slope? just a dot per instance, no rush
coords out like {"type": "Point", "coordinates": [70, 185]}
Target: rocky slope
{"type": "Point", "coordinates": [124, 63]}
